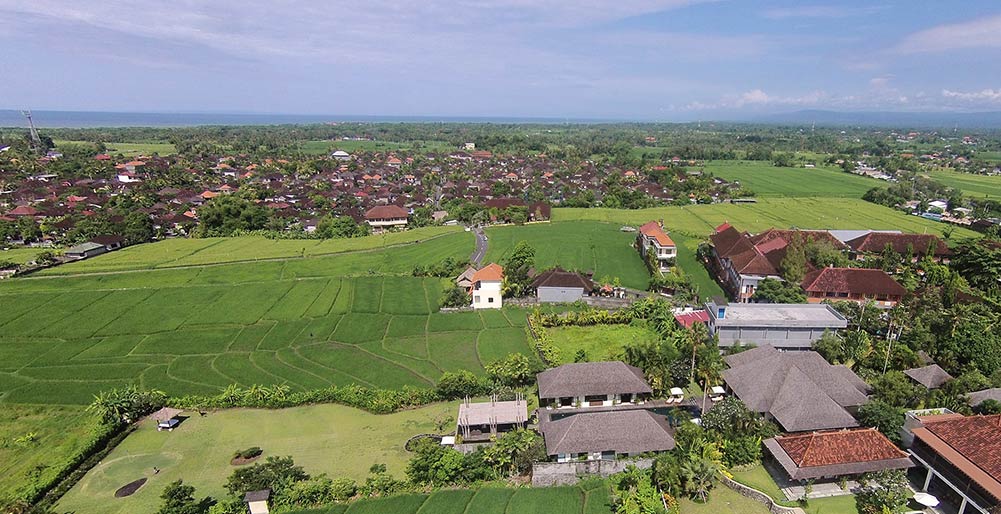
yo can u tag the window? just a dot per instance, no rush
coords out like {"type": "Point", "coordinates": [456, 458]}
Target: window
{"type": "Point", "coordinates": [490, 299]}
{"type": "Point", "coordinates": [476, 299]}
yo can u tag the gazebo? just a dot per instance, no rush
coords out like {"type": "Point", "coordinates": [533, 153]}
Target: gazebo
{"type": "Point", "coordinates": [166, 418]}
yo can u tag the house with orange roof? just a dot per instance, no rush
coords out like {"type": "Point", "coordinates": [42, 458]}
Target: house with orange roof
{"type": "Point", "coordinates": [652, 238]}
{"type": "Point", "coordinates": [486, 287]}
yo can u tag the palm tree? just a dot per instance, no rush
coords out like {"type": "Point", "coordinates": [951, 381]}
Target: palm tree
{"type": "Point", "coordinates": [698, 476]}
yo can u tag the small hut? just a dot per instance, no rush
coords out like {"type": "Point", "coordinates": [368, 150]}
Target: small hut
{"type": "Point", "coordinates": [166, 418]}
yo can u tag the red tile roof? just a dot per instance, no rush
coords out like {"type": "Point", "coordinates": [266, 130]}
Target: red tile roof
{"type": "Point", "coordinates": [839, 447]}
{"type": "Point", "coordinates": [977, 438]}
{"type": "Point", "coordinates": [653, 229]}
{"type": "Point", "coordinates": [690, 318]}
{"type": "Point", "coordinates": [853, 281]}
{"type": "Point", "coordinates": [492, 272]}
{"type": "Point", "coordinates": [875, 242]}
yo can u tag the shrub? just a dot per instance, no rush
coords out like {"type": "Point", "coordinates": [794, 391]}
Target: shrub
{"type": "Point", "coordinates": [249, 453]}
{"type": "Point", "coordinates": [460, 384]}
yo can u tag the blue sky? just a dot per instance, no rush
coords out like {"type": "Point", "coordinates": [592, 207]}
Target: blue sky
{"type": "Point", "coordinates": [631, 59]}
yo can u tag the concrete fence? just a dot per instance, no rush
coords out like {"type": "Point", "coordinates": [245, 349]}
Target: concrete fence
{"type": "Point", "coordinates": [545, 474]}
{"type": "Point", "coordinates": [760, 497]}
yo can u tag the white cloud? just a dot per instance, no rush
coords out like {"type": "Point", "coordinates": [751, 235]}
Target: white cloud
{"type": "Point", "coordinates": [983, 96]}
{"type": "Point", "coordinates": [980, 33]}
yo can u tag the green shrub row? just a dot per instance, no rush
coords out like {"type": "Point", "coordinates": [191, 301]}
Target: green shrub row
{"type": "Point", "coordinates": [548, 352]}
{"type": "Point", "coordinates": [377, 401]}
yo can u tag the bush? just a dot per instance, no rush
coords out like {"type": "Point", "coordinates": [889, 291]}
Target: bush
{"type": "Point", "coordinates": [460, 384]}
{"type": "Point", "coordinates": [249, 453]}
{"type": "Point", "coordinates": [377, 401]}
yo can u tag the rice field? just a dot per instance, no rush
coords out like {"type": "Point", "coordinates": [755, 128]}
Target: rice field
{"type": "Point", "coordinates": [974, 186]}
{"type": "Point", "coordinates": [806, 213]}
{"type": "Point", "coordinates": [62, 340]}
{"type": "Point", "coordinates": [175, 253]}
{"type": "Point", "coordinates": [768, 180]}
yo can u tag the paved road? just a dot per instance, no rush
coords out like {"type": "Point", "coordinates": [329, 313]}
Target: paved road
{"type": "Point", "coordinates": [481, 247]}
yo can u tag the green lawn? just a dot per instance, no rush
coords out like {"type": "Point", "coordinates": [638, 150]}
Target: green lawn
{"type": "Point", "coordinates": [332, 439]}
{"type": "Point", "coordinates": [723, 500]}
{"type": "Point", "coordinates": [58, 432]}
{"type": "Point", "coordinates": [486, 500]}
{"type": "Point", "coordinates": [689, 263]}
{"type": "Point", "coordinates": [20, 255]}
{"type": "Point", "coordinates": [974, 186]}
{"type": "Point", "coordinates": [805, 213]}
{"type": "Point", "coordinates": [768, 180]}
{"type": "Point", "coordinates": [584, 246]}
{"type": "Point", "coordinates": [600, 342]}
{"type": "Point", "coordinates": [757, 477]}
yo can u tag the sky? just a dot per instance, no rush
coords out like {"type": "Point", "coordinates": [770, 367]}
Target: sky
{"type": "Point", "coordinates": [668, 60]}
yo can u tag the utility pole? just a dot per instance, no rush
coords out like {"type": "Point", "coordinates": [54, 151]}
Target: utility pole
{"type": "Point", "coordinates": [36, 142]}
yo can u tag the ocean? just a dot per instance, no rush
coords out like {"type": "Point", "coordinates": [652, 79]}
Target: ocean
{"type": "Point", "coordinates": [89, 119]}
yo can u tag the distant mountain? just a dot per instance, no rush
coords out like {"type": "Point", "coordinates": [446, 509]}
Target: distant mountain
{"type": "Point", "coordinates": [886, 119]}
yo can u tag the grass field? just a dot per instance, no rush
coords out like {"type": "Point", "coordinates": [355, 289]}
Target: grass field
{"type": "Point", "coordinates": [173, 253]}
{"type": "Point", "coordinates": [61, 346]}
{"type": "Point", "coordinates": [689, 263]}
{"type": "Point", "coordinates": [813, 213]}
{"type": "Point", "coordinates": [584, 246]}
{"type": "Point", "coordinates": [599, 342]}
{"type": "Point", "coordinates": [332, 439]}
{"type": "Point", "coordinates": [58, 433]}
{"type": "Point", "coordinates": [768, 180]}
{"type": "Point", "coordinates": [486, 500]}
{"type": "Point", "coordinates": [20, 255]}
{"type": "Point", "coordinates": [130, 149]}
{"type": "Point", "coordinates": [974, 186]}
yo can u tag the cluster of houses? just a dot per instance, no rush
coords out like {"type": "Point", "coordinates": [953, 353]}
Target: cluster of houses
{"type": "Point", "coordinates": [741, 261]}
{"type": "Point", "coordinates": [603, 412]}
{"type": "Point", "coordinates": [371, 187]}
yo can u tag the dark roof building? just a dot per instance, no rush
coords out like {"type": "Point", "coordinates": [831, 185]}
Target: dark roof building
{"type": "Point", "coordinates": [560, 286]}
{"type": "Point", "coordinates": [978, 397]}
{"type": "Point", "coordinates": [590, 379]}
{"type": "Point", "coordinates": [838, 453]}
{"type": "Point", "coordinates": [800, 390]}
{"type": "Point", "coordinates": [625, 432]}
{"type": "Point", "coordinates": [932, 377]}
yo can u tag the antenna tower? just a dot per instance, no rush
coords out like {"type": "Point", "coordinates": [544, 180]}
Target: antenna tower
{"type": "Point", "coordinates": [36, 142]}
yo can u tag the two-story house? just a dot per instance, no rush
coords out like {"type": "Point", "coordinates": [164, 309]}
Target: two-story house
{"type": "Point", "coordinates": [652, 237]}
{"type": "Point", "coordinates": [384, 217]}
{"type": "Point", "coordinates": [486, 287]}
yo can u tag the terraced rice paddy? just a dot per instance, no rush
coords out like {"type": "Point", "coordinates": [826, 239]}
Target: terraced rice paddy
{"type": "Point", "coordinates": [303, 322]}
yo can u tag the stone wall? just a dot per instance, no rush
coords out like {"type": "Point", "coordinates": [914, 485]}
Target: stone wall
{"type": "Point", "coordinates": [546, 474]}
{"type": "Point", "coordinates": [761, 498]}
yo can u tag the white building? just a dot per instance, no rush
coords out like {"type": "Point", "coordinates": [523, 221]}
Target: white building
{"type": "Point", "coordinates": [486, 288]}
{"type": "Point", "coordinates": [385, 217]}
{"type": "Point", "coordinates": [652, 236]}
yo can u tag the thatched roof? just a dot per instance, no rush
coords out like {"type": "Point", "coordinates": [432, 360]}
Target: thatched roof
{"type": "Point", "coordinates": [165, 414]}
